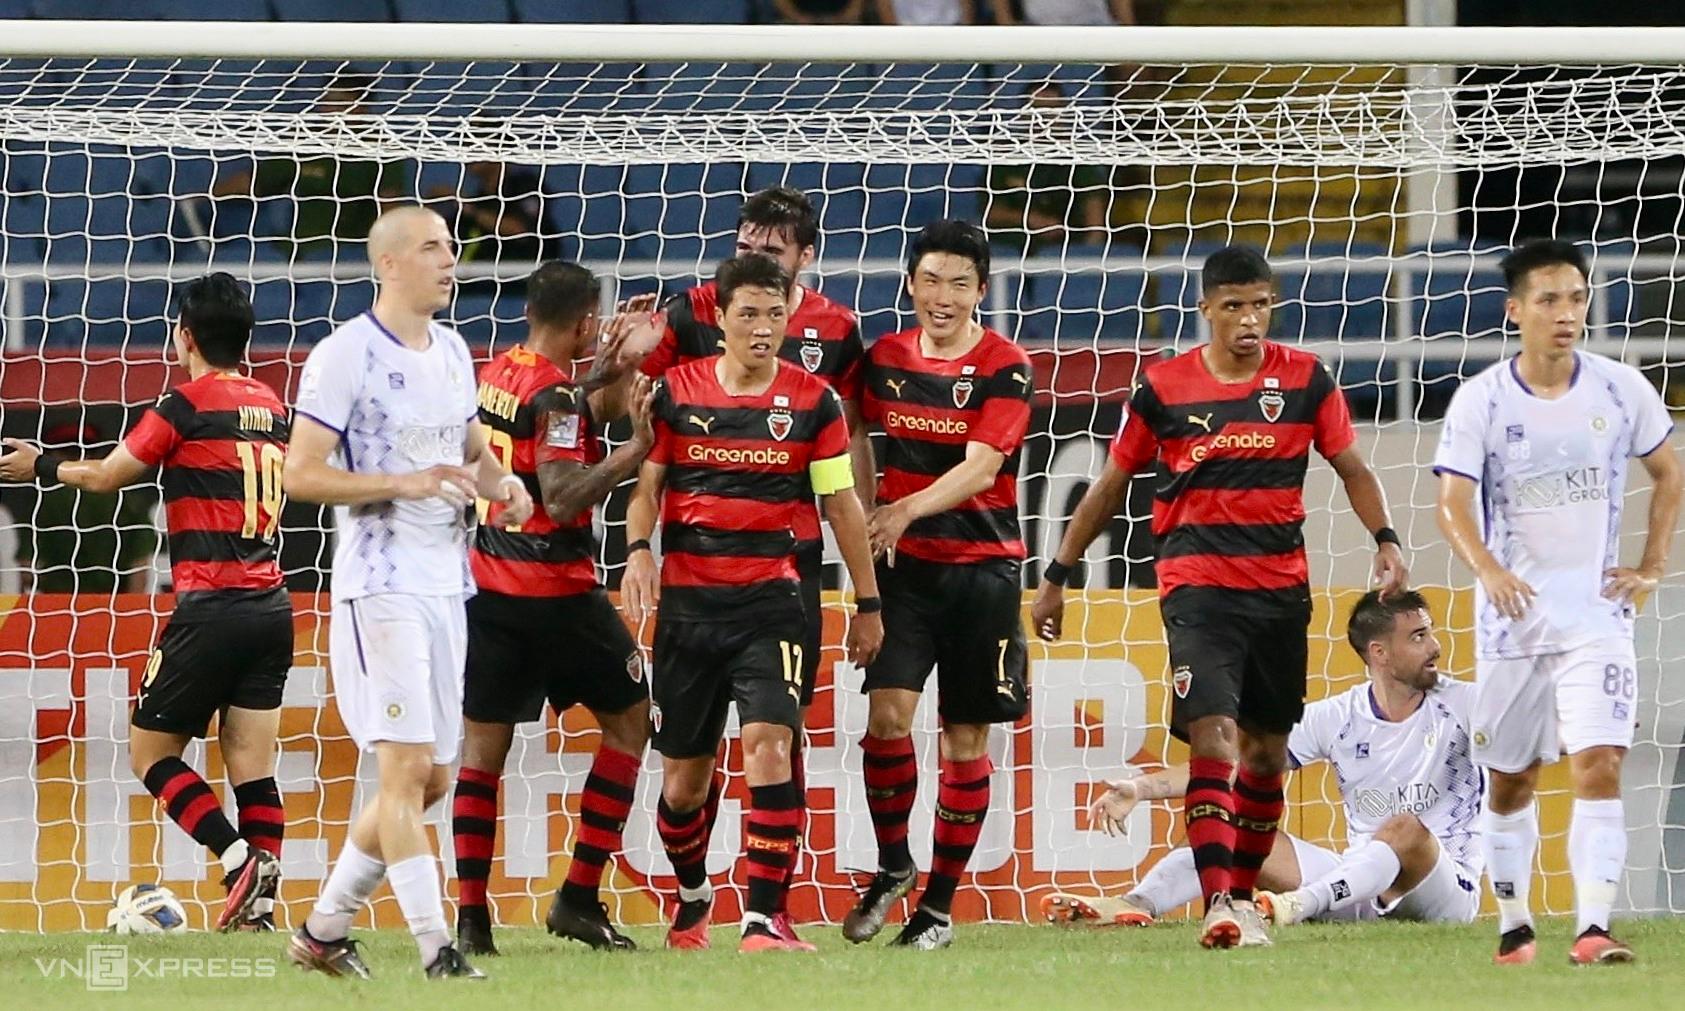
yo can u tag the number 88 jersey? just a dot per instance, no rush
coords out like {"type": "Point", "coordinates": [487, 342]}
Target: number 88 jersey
{"type": "Point", "coordinates": [220, 440]}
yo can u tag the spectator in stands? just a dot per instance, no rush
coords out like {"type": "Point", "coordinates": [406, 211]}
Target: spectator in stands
{"type": "Point", "coordinates": [1065, 12]}
{"type": "Point", "coordinates": [820, 12]}
{"type": "Point", "coordinates": [80, 543]}
{"type": "Point", "coordinates": [926, 12]}
{"type": "Point", "coordinates": [335, 199]}
{"type": "Point", "coordinates": [496, 214]}
{"type": "Point", "coordinates": [1036, 207]}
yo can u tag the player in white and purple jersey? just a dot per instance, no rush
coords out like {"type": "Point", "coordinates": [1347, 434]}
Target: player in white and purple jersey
{"type": "Point", "coordinates": [1542, 441]}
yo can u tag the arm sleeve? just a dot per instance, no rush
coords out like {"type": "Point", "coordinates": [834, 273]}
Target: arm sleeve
{"type": "Point", "coordinates": [1334, 433]}
{"type": "Point", "coordinates": [661, 416]}
{"type": "Point", "coordinates": [1135, 445]}
{"type": "Point", "coordinates": [158, 433]}
{"type": "Point", "coordinates": [1005, 416]}
{"type": "Point", "coordinates": [851, 365]}
{"type": "Point", "coordinates": [1306, 742]}
{"type": "Point", "coordinates": [329, 386]}
{"type": "Point", "coordinates": [665, 354]}
{"type": "Point", "coordinates": [1462, 435]}
{"type": "Point", "coordinates": [830, 470]}
{"type": "Point", "coordinates": [564, 427]}
{"type": "Point", "coordinates": [1651, 423]}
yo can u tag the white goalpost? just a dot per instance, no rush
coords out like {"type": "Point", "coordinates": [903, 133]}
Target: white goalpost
{"type": "Point", "coordinates": [1385, 171]}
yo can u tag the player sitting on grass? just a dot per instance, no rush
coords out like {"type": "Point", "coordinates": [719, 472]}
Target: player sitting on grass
{"type": "Point", "coordinates": [1399, 745]}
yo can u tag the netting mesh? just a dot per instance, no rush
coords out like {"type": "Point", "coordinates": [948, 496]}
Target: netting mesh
{"type": "Point", "coordinates": [1384, 195]}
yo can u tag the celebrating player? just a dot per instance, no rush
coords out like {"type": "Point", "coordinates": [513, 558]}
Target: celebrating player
{"type": "Point", "coordinates": [823, 337]}
{"type": "Point", "coordinates": [1399, 745]}
{"type": "Point", "coordinates": [540, 626]}
{"type": "Point", "coordinates": [953, 399]}
{"type": "Point", "coordinates": [742, 442]}
{"type": "Point", "coordinates": [1231, 425]}
{"type": "Point", "coordinates": [219, 439]}
{"type": "Point", "coordinates": [1545, 438]}
{"type": "Point", "coordinates": [387, 431]}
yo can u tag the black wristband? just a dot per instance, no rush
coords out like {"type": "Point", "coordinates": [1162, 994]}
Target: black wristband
{"type": "Point", "coordinates": [641, 544]}
{"type": "Point", "coordinates": [1056, 573]}
{"type": "Point", "coordinates": [868, 605]}
{"type": "Point", "coordinates": [47, 469]}
{"type": "Point", "coordinates": [1387, 535]}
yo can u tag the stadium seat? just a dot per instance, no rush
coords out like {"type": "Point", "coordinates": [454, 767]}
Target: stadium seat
{"type": "Point", "coordinates": [1085, 82]}
{"type": "Point", "coordinates": [1614, 287]}
{"type": "Point", "coordinates": [16, 10]}
{"type": "Point", "coordinates": [486, 89]}
{"type": "Point", "coordinates": [879, 298]}
{"type": "Point", "coordinates": [562, 12]}
{"type": "Point", "coordinates": [333, 10]}
{"type": "Point", "coordinates": [97, 10]}
{"type": "Point", "coordinates": [454, 11]}
{"type": "Point", "coordinates": [1084, 308]}
{"type": "Point", "coordinates": [585, 87]}
{"type": "Point", "coordinates": [688, 211]}
{"type": "Point", "coordinates": [928, 87]}
{"type": "Point", "coordinates": [808, 87]}
{"type": "Point", "coordinates": [697, 86]}
{"type": "Point", "coordinates": [109, 311]}
{"type": "Point", "coordinates": [691, 12]}
{"type": "Point", "coordinates": [214, 10]}
{"type": "Point", "coordinates": [493, 318]}
{"type": "Point", "coordinates": [96, 213]}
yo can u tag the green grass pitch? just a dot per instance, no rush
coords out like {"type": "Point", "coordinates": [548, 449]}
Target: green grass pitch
{"type": "Point", "coordinates": [1352, 968]}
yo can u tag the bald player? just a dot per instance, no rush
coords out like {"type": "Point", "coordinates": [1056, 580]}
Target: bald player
{"type": "Point", "coordinates": [387, 431]}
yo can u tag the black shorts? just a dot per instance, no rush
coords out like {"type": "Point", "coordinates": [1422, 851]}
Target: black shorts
{"type": "Point", "coordinates": [1233, 661]}
{"type": "Point", "coordinates": [524, 651]}
{"type": "Point", "coordinates": [810, 566]}
{"type": "Point", "coordinates": [200, 668]}
{"type": "Point", "coordinates": [964, 620]}
{"type": "Point", "coordinates": [703, 667]}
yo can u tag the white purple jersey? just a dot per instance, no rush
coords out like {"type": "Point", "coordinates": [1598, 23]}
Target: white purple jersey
{"type": "Point", "coordinates": [1419, 766]}
{"type": "Point", "coordinates": [397, 410]}
{"type": "Point", "coordinates": [1551, 477]}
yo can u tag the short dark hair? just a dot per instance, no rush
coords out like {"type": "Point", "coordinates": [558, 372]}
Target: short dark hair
{"type": "Point", "coordinates": [560, 294]}
{"type": "Point", "coordinates": [1530, 256]}
{"type": "Point", "coordinates": [782, 208]}
{"type": "Point", "coordinates": [217, 312]}
{"type": "Point", "coordinates": [1234, 265]}
{"type": "Point", "coordinates": [1372, 618]}
{"type": "Point", "coordinates": [750, 271]}
{"type": "Point", "coordinates": [955, 236]}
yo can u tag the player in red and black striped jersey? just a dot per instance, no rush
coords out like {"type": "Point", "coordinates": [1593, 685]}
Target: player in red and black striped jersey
{"type": "Point", "coordinates": [820, 335]}
{"type": "Point", "coordinates": [953, 400]}
{"type": "Point", "coordinates": [540, 626]}
{"type": "Point", "coordinates": [219, 439]}
{"type": "Point", "coordinates": [742, 443]}
{"type": "Point", "coordinates": [1230, 426]}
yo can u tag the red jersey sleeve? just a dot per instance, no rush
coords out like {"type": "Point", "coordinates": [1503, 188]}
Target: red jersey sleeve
{"type": "Point", "coordinates": [1005, 415]}
{"type": "Point", "coordinates": [832, 438]}
{"type": "Point", "coordinates": [1135, 445]}
{"type": "Point", "coordinates": [1333, 433]}
{"type": "Point", "coordinates": [564, 430]}
{"type": "Point", "coordinates": [852, 370]}
{"type": "Point", "coordinates": [663, 356]}
{"type": "Point", "coordinates": [157, 436]}
{"type": "Point", "coordinates": [661, 411]}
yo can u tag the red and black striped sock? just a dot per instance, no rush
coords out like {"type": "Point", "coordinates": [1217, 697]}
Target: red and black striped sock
{"type": "Point", "coordinates": [775, 814]}
{"type": "Point", "coordinates": [962, 802]}
{"type": "Point", "coordinates": [263, 822]}
{"type": "Point", "coordinates": [189, 802]}
{"type": "Point", "coordinates": [892, 782]}
{"type": "Point", "coordinates": [685, 836]}
{"type": "Point", "coordinates": [1258, 805]}
{"type": "Point", "coordinates": [711, 806]}
{"type": "Point", "coordinates": [474, 829]}
{"type": "Point", "coordinates": [603, 808]}
{"type": "Point", "coordinates": [798, 777]}
{"type": "Point", "coordinates": [1209, 807]}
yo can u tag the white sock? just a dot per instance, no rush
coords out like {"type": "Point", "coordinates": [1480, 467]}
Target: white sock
{"type": "Point", "coordinates": [355, 877]}
{"type": "Point", "coordinates": [1360, 876]}
{"type": "Point", "coordinates": [1171, 884]}
{"type": "Point", "coordinates": [1596, 855]}
{"type": "Point", "coordinates": [751, 919]}
{"type": "Point", "coordinates": [1510, 841]}
{"type": "Point", "coordinates": [703, 894]}
{"type": "Point", "coordinates": [234, 856]}
{"type": "Point", "coordinates": [416, 884]}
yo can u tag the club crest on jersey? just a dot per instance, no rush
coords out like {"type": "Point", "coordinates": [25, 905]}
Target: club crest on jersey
{"type": "Point", "coordinates": [1271, 403]}
{"type": "Point", "coordinates": [779, 424]}
{"type": "Point", "coordinates": [962, 391]}
{"type": "Point", "coordinates": [1181, 679]}
{"type": "Point", "coordinates": [813, 353]}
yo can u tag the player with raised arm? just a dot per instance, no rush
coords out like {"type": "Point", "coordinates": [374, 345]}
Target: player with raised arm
{"type": "Point", "coordinates": [540, 626]}
{"type": "Point", "coordinates": [953, 400]}
{"type": "Point", "coordinates": [1544, 438]}
{"type": "Point", "coordinates": [742, 443]}
{"type": "Point", "coordinates": [1230, 426]}
{"type": "Point", "coordinates": [218, 440]}
{"type": "Point", "coordinates": [387, 431]}
{"type": "Point", "coordinates": [1399, 744]}
{"type": "Point", "coordinates": [823, 337]}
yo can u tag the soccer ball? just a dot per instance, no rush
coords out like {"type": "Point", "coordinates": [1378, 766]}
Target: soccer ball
{"type": "Point", "coordinates": [147, 909]}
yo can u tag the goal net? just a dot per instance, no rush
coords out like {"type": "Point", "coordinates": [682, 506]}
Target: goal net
{"type": "Point", "coordinates": [1383, 189]}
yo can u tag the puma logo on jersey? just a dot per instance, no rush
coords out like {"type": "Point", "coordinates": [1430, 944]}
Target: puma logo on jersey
{"type": "Point", "coordinates": [701, 423]}
{"type": "Point", "coordinates": [1204, 422]}
{"type": "Point", "coordinates": [1023, 380]}
{"type": "Point", "coordinates": [895, 385]}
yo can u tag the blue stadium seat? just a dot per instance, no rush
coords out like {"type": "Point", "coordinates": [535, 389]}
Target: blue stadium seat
{"type": "Point", "coordinates": [214, 10]}
{"type": "Point", "coordinates": [929, 87]}
{"type": "Point", "coordinates": [109, 311]}
{"type": "Point", "coordinates": [96, 213]}
{"type": "Point", "coordinates": [1613, 286]}
{"type": "Point", "coordinates": [16, 10]}
{"type": "Point", "coordinates": [97, 10]}
{"type": "Point", "coordinates": [1085, 308]}
{"type": "Point", "coordinates": [697, 86]}
{"type": "Point", "coordinates": [691, 12]}
{"type": "Point", "coordinates": [333, 10]}
{"type": "Point", "coordinates": [563, 12]}
{"type": "Point", "coordinates": [490, 89]}
{"type": "Point", "coordinates": [453, 11]}
{"type": "Point", "coordinates": [838, 191]}
{"type": "Point", "coordinates": [1081, 82]}
{"type": "Point", "coordinates": [809, 87]}
{"type": "Point", "coordinates": [495, 318]}
{"type": "Point", "coordinates": [583, 87]}
{"type": "Point", "coordinates": [688, 211]}
{"type": "Point", "coordinates": [879, 298]}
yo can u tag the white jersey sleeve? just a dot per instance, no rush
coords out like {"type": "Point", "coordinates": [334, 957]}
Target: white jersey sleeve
{"type": "Point", "coordinates": [1462, 436]}
{"type": "Point", "coordinates": [1650, 421]}
{"type": "Point", "coordinates": [1311, 737]}
{"type": "Point", "coordinates": [330, 384]}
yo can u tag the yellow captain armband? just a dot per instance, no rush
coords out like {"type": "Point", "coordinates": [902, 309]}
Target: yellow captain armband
{"type": "Point", "coordinates": [831, 476]}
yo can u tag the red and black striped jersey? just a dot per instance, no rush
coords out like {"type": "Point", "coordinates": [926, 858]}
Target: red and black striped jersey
{"type": "Point", "coordinates": [822, 336]}
{"type": "Point", "coordinates": [737, 475]}
{"type": "Point", "coordinates": [930, 408]}
{"type": "Point", "coordinates": [220, 441]}
{"type": "Point", "coordinates": [535, 415]}
{"type": "Point", "coordinates": [1229, 495]}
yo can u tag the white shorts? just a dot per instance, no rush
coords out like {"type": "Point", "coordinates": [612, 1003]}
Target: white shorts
{"type": "Point", "coordinates": [1533, 709]}
{"type": "Point", "coordinates": [397, 670]}
{"type": "Point", "coordinates": [1317, 861]}
{"type": "Point", "coordinates": [1449, 894]}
